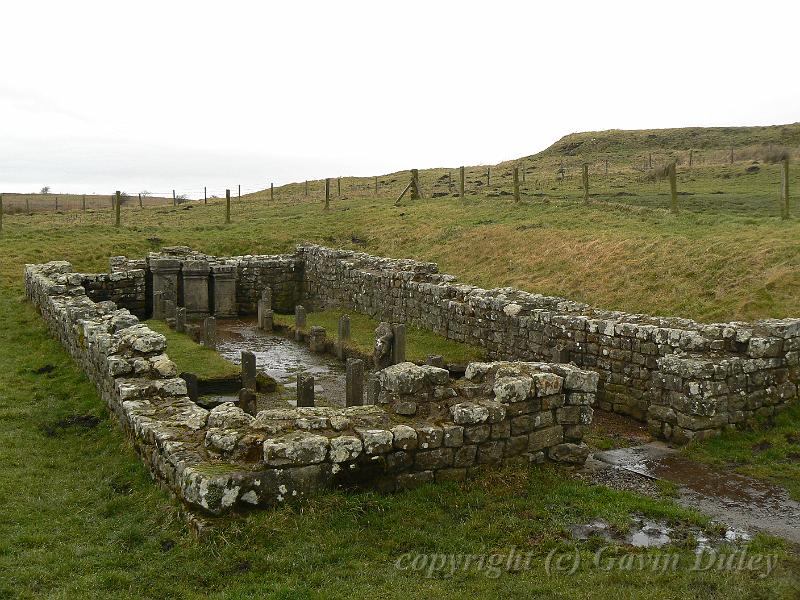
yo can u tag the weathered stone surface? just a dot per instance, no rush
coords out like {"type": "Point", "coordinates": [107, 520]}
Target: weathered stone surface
{"type": "Point", "coordinates": [295, 449]}
{"type": "Point", "coordinates": [467, 413]}
{"type": "Point", "coordinates": [376, 441]}
{"type": "Point", "coordinates": [405, 437]}
{"type": "Point", "coordinates": [569, 453]}
{"type": "Point", "coordinates": [345, 448]}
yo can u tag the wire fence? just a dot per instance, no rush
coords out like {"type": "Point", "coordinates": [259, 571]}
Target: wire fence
{"type": "Point", "coordinates": [743, 178]}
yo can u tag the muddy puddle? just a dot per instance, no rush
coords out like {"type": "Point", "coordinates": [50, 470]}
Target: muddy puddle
{"type": "Point", "coordinates": [283, 359]}
{"type": "Point", "coordinates": [743, 503]}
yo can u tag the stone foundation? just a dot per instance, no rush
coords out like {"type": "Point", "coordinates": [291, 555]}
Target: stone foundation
{"type": "Point", "coordinates": [422, 427]}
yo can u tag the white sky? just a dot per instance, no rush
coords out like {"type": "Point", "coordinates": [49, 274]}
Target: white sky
{"type": "Point", "coordinates": [98, 96]}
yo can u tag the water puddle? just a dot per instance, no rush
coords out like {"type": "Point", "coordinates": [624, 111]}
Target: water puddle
{"type": "Point", "coordinates": [283, 359]}
{"type": "Point", "coordinates": [649, 533]}
{"type": "Point", "coordinates": [740, 501]}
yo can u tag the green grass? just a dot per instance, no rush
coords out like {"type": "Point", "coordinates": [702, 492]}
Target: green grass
{"type": "Point", "coordinates": [771, 451]}
{"type": "Point", "coordinates": [191, 357]}
{"type": "Point", "coordinates": [419, 342]}
{"type": "Point", "coordinates": [81, 517]}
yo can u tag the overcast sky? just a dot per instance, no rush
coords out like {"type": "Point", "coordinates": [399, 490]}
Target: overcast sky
{"type": "Point", "coordinates": [98, 96]}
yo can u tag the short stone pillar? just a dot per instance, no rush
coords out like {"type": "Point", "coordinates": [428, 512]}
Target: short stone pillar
{"type": "Point", "coordinates": [165, 279]}
{"type": "Point", "coordinates": [373, 388]}
{"type": "Point", "coordinates": [316, 339]}
{"type": "Point", "coordinates": [305, 389]}
{"type": "Point", "coordinates": [210, 332]}
{"type": "Point", "coordinates": [435, 360]}
{"type": "Point", "coordinates": [192, 386]}
{"type": "Point", "coordinates": [247, 401]}
{"type": "Point", "coordinates": [343, 337]}
{"type": "Point", "coordinates": [266, 297]}
{"type": "Point", "coordinates": [158, 306]}
{"type": "Point", "coordinates": [300, 320]}
{"type": "Point", "coordinates": [195, 288]}
{"type": "Point", "coordinates": [354, 390]}
{"type": "Point", "coordinates": [398, 343]}
{"type": "Point", "coordinates": [223, 279]}
{"type": "Point", "coordinates": [265, 316]}
{"type": "Point", "coordinates": [248, 370]}
{"type": "Point", "coordinates": [180, 319]}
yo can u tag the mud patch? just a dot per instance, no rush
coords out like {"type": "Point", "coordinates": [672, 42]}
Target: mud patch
{"type": "Point", "coordinates": [743, 503]}
{"type": "Point", "coordinates": [76, 421]}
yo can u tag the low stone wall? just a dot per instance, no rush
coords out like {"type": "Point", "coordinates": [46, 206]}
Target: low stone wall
{"type": "Point", "coordinates": [124, 285]}
{"type": "Point", "coordinates": [629, 351]}
{"type": "Point", "coordinates": [634, 354]}
{"type": "Point", "coordinates": [423, 427]}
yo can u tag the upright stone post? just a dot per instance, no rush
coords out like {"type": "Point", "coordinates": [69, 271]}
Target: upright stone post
{"type": "Point", "coordinates": [180, 319]}
{"type": "Point", "coordinates": [192, 386]}
{"type": "Point", "coordinates": [398, 343]}
{"type": "Point", "coordinates": [247, 401]}
{"type": "Point", "coordinates": [224, 285]}
{"type": "Point", "coordinates": [248, 370]}
{"type": "Point", "coordinates": [305, 390]}
{"type": "Point", "coordinates": [354, 394]}
{"type": "Point", "coordinates": [299, 321]}
{"type": "Point", "coordinates": [373, 388]}
{"type": "Point", "coordinates": [195, 288]}
{"type": "Point", "coordinates": [343, 337]}
{"type": "Point", "coordinates": [317, 337]}
{"type": "Point", "coordinates": [165, 279]}
{"type": "Point", "coordinates": [158, 306]}
{"type": "Point", "coordinates": [265, 317]}
{"type": "Point", "coordinates": [210, 332]}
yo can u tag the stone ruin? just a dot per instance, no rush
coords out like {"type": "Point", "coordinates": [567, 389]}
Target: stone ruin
{"type": "Point", "coordinates": [553, 360]}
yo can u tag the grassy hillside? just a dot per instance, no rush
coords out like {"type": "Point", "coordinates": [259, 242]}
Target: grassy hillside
{"type": "Point", "coordinates": [81, 517]}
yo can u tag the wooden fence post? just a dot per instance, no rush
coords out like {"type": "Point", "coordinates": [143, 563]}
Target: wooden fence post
{"type": "Point", "coordinates": [205, 194]}
{"type": "Point", "coordinates": [338, 187]}
{"type": "Point", "coordinates": [327, 193]}
{"type": "Point", "coordinates": [416, 193]}
{"type": "Point", "coordinates": [174, 199]}
{"type": "Point", "coordinates": [461, 182]}
{"type": "Point", "coordinates": [56, 203]}
{"type": "Point", "coordinates": [785, 188]}
{"type": "Point", "coordinates": [27, 205]}
{"type": "Point", "coordinates": [117, 205]}
{"type": "Point", "coordinates": [272, 191]}
{"type": "Point", "coordinates": [585, 182]}
{"type": "Point", "coordinates": [227, 206]}
{"type": "Point", "coordinates": [516, 184]}
{"type": "Point", "coordinates": [240, 191]}
{"type": "Point", "coordinates": [376, 185]}
{"type": "Point", "coordinates": [306, 190]}
{"type": "Point", "coordinates": [488, 175]}
{"type": "Point", "coordinates": [140, 201]}
{"type": "Point", "coordinates": [673, 189]}
{"type": "Point", "coordinates": [731, 154]}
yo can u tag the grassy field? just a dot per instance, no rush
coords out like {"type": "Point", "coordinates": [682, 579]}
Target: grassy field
{"type": "Point", "coordinates": [191, 357]}
{"type": "Point", "coordinates": [81, 517]}
{"type": "Point", "coordinates": [30, 203]}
